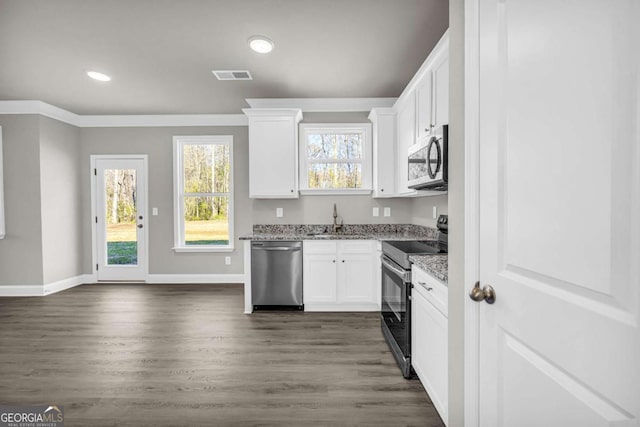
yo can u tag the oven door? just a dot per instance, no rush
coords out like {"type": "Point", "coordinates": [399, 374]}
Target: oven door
{"type": "Point", "coordinates": [396, 289]}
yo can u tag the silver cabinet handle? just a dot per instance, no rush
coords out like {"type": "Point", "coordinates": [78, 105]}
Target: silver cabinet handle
{"type": "Point", "coordinates": [424, 285]}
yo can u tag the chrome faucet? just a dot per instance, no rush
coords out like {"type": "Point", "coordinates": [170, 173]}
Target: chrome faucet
{"type": "Point", "coordinates": [337, 227]}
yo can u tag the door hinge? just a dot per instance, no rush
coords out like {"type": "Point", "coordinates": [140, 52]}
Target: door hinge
{"type": "Point", "coordinates": [95, 172]}
{"type": "Point", "coordinates": [96, 220]}
{"type": "Point", "coordinates": [97, 267]}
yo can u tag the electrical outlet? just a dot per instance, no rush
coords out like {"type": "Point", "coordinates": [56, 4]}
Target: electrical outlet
{"type": "Point", "coordinates": [279, 212]}
{"type": "Point", "coordinates": [435, 212]}
{"type": "Point", "coordinates": [227, 260]}
{"type": "Point", "coordinates": [387, 211]}
{"type": "Point", "coordinates": [376, 211]}
{"type": "Point", "coordinates": [154, 211]}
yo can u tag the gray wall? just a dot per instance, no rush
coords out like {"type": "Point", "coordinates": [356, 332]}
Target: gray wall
{"type": "Point", "coordinates": [157, 143]}
{"type": "Point", "coordinates": [21, 249]}
{"type": "Point", "coordinates": [60, 193]}
{"type": "Point", "coordinates": [457, 287]}
{"type": "Point", "coordinates": [422, 209]}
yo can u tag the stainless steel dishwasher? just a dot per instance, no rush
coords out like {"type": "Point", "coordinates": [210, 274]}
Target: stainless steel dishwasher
{"type": "Point", "coordinates": [276, 275]}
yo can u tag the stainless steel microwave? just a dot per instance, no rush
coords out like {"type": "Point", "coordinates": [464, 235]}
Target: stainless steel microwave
{"type": "Point", "coordinates": [428, 161]}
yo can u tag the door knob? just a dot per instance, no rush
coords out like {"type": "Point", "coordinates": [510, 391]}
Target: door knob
{"type": "Point", "coordinates": [139, 225]}
{"type": "Point", "coordinates": [486, 294]}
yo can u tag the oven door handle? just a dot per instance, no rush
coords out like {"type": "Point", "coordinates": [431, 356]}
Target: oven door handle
{"type": "Point", "coordinates": [394, 269]}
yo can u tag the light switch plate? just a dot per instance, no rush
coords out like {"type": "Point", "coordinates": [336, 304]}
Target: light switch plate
{"type": "Point", "coordinates": [387, 211]}
{"type": "Point", "coordinates": [279, 212]}
{"type": "Point", "coordinates": [227, 260]}
{"type": "Point", "coordinates": [435, 212]}
{"type": "Point", "coordinates": [376, 211]}
{"type": "Point", "coordinates": [154, 211]}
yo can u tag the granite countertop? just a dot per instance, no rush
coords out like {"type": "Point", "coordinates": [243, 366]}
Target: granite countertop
{"type": "Point", "coordinates": [351, 232]}
{"type": "Point", "coordinates": [435, 265]}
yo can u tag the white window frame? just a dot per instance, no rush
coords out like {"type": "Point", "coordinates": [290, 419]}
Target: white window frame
{"type": "Point", "coordinates": [2, 226]}
{"type": "Point", "coordinates": [367, 158]}
{"type": "Point", "coordinates": [178, 193]}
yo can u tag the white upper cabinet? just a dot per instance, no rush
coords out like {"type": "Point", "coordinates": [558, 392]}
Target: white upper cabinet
{"type": "Point", "coordinates": [422, 106]}
{"type": "Point", "coordinates": [384, 151]}
{"type": "Point", "coordinates": [424, 120]}
{"type": "Point", "coordinates": [273, 152]}
{"type": "Point", "coordinates": [406, 110]}
{"type": "Point", "coordinates": [440, 84]}
{"type": "Point", "coordinates": [432, 93]}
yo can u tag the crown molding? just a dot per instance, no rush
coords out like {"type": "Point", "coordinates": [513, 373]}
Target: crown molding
{"type": "Point", "coordinates": [318, 105]}
{"type": "Point", "coordinates": [295, 113]}
{"type": "Point", "coordinates": [159, 120]}
{"type": "Point", "coordinates": [147, 120]}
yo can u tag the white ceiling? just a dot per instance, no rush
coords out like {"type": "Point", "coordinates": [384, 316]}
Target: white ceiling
{"type": "Point", "coordinates": [160, 53]}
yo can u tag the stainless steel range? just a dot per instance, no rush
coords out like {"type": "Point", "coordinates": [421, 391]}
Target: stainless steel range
{"type": "Point", "coordinates": [396, 290]}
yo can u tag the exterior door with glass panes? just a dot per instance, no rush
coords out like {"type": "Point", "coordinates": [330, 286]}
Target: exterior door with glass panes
{"type": "Point", "coordinates": [120, 218]}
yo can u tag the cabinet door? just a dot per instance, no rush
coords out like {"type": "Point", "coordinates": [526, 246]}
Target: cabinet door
{"type": "Point", "coordinates": [273, 157]}
{"type": "Point", "coordinates": [440, 77]}
{"type": "Point", "coordinates": [424, 118]}
{"type": "Point", "coordinates": [384, 146]}
{"type": "Point", "coordinates": [429, 352]}
{"type": "Point", "coordinates": [356, 272]}
{"type": "Point", "coordinates": [406, 138]}
{"type": "Point", "coordinates": [355, 278]}
{"type": "Point", "coordinates": [319, 278]}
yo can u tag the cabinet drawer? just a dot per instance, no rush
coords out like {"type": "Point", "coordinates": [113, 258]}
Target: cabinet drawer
{"type": "Point", "coordinates": [355, 247]}
{"type": "Point", "coordinates": [432, 289]}
{"type": "Point", "coordinates": [319, 247]}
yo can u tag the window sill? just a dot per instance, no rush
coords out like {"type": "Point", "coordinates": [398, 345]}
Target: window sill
{"type": "Point", "coordinates": [189, 249]}
{"type": "Point", "coordinates": [344, 192]}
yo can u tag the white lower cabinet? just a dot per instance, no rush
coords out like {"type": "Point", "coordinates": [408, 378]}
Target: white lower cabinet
{"type": "Point", "coordinates": [339, 275]}
{"type": "Point", "coordinates": [429, 337]}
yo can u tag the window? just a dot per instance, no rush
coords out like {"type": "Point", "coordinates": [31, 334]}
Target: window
{"type": "Point", "coordinates": [203, 193]}
{"type": "Point", "coordinates": [335, 158]}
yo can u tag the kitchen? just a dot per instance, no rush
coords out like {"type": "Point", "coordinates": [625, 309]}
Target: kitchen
{"type": "Point", "coordinates": [58, 144]}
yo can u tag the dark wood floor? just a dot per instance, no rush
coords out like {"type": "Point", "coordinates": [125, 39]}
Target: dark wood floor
{"type": "Point", "coordinates": [186, 355]}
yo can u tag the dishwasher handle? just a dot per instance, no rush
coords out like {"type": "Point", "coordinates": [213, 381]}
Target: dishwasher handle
{"type": "Point", "coordinates": [276, 248]}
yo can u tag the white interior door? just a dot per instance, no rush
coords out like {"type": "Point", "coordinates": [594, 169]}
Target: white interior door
{"type": "Point", "coordinates": [120, 218]}
{"type": "Point", "coordinates": [559, 207]}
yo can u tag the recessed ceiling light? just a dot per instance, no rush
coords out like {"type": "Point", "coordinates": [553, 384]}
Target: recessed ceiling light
{"type": "Point", "coordinates": [98, 76]}
{"type": "Point", "coordinates": [260, 44]}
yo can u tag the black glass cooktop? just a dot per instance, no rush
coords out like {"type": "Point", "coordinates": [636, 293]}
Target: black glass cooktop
{"type": "Point", "coordinates": [399, 250]}
{"type": "Point", "coordinates": [418, 247]}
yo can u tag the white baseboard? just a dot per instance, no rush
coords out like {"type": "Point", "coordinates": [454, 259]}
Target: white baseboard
{"type": "Point", "coordinates": [195, 278]}
{"type": "Point", "coordinates": [46, 289]}
{"type": "Point", "coordinates": [61, 285]}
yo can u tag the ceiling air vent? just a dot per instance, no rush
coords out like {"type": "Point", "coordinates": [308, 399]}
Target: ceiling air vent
{"type": "Point", "coordinates": [232, 75]}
